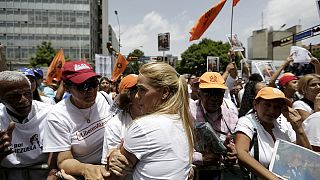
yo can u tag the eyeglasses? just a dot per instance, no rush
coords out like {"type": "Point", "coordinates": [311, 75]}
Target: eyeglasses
{"type": "Point", "coordinates": [212, 93]}
{"type": "Point", "coordinates": [87, 85]}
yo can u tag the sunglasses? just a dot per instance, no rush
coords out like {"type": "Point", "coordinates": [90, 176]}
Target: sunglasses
{"type": "Point", "coordinates": [212, 93]}
{"type": "Point", "coordinates": [87, 85]}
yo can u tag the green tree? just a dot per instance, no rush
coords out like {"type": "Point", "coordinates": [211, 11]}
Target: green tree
{"type": "Point", "coordinates": [194, 59]}
{"type": "Point", "coordinates": [44, 55]}
{"type": "Point", "coordinates": [316, 54]}
{"type": "Point", "coordinates": [134, 62]}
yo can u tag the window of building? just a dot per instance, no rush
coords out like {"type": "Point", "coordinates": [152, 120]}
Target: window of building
{"type": "Point", "coordinates": [52, 16]}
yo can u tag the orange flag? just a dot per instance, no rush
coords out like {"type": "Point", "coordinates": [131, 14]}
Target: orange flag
{"type": "Point", "coordinates": [205, 20]}
{"type": "Point", "coordinates": [119, 67]}
{"type": "Point", "coordinates": [54, 70]}
{"type": "Point", "coordinates": [235, 2]}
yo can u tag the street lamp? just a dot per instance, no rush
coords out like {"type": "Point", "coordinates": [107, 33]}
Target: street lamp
{"type": "Point", "coordinates": [116, 12]}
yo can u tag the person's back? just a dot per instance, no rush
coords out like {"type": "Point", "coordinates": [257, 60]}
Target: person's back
{"type": "Point", "coordinates": [161, 149]}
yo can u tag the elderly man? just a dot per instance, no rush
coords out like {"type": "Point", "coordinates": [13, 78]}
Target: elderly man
{"type": "Point", "coordinates": [22, 123]}
{"type": "Point", "coordinates": [221, 115]}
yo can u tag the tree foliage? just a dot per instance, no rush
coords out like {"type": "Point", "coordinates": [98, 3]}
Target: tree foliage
{"type": "Point", "coordinates": [194, 59]}
{"type": "Point", "coordinates": [134, 65]}
{"type": "Point", "coordinates": [316, 54]}
{"type": "Point", "coordinates": [44, 55]}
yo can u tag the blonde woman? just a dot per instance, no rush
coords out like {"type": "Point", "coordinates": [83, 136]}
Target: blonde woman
{"type": "Point", "coordinates": [160, 143]}
{"type": "Point", "coordinates": [309, 87]}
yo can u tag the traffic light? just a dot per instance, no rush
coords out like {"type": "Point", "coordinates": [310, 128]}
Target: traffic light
{"type": "Point", "coordinates": [159, 58]}
{"type": "Point", "coordinates": [316, 30]}
{"type": "Point", "coordinates": [133, 58]}
{"type": "Point", "coordinates": [285, 41]}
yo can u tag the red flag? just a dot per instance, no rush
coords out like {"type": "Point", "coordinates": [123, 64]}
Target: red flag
{"type": "Point", "coordinates": [119, 67]}
{"type": "Point", "coordinates": [235, 2]}
{"type": "Point", "coordinates": [54, 70]}
{"type": "Point", "coordinates": [205, 20]}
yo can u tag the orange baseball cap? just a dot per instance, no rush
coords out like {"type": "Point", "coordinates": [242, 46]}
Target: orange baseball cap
{"type": "Point", "coordinates": [212, 80]}
{"type": "Point", "coordinates": [273, 93]}
{"type": "Point", "coordinates": [128, 82]}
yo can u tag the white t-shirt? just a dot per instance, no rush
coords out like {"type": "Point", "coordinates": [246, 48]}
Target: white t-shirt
{"type": "Point", "coordinates": [161, 145]}
{"type": "Point", "coordinates": [27, 141]}
{"type": "Point", "coordinates": [302, 106]}
{"type": "Point", "coordinates": [282, 130]}
{"type": "Point", "coordinates": [311, 127]}
{"type": "Point", "coordinates": [114, 132]}
{"type": "Point", "coordinates": [47, 100]}
{"type": "Point", "coordinates": [68, 129]}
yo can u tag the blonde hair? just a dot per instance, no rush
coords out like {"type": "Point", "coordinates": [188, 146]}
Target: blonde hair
{"type": "Point", "coordinates": [163, 75]}
{"type": "Point", "coordinates": [303, 83]}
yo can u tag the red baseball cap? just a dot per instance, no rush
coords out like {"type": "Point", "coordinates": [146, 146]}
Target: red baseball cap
{"type": "Point", "coordinates": [77, 71]}
{"type": "Point", "coordinates": [287, 77]}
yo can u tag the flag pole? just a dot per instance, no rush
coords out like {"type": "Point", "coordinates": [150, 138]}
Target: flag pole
{"type": "Point", "coordinates": [231, 37]}
{"type": "Point", "coordinates": [231, 21]}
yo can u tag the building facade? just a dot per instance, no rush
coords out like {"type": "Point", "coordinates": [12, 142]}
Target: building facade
{"type": "Point", "coordinates": [73, 25]}
{"type": "Point", "coordinates": [260, 44]}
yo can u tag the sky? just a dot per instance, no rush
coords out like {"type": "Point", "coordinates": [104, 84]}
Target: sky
{"type": "Point", "coordinates": [142, 20]}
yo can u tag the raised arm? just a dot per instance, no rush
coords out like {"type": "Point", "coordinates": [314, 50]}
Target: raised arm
{"type": "Point", "coordinates": [278, 71]}
{"type": "Point", "coordinates": [315, 63]}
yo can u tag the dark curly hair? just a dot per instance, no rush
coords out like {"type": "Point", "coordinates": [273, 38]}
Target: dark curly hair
{"type": "Point", "coordinates": [248, 97]}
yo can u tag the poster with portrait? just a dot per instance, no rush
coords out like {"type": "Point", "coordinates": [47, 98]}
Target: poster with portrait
{"type": "Point", "coordinates": [164, 42]}
{"type": "Point", "coordinates": [300, 55]}
{"type": "Point", "coordinates": [293, 162]}
{"type": "Point", "coordinates": [212, 64]}
{"type": "Point", "coordinates": [266, 69]}
{"type": "Point", "coordinates": [234, 42]}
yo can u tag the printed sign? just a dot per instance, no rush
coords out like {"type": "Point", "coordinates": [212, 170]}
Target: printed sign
{"type": "Point", "coordinates": [234, 42]}
{"type": "Point", "coordinates": [164, 42]}
{"type": "Point", "coordinates": [103, 65]}
{"type": "Point", "coordinates": [300, 55]}
{"type": "Point", "coordinates": [212, 64]}
{"type": "Point", "coordinates": [293, 162]}
{"type": "Point", "coordinates": [266, 69]}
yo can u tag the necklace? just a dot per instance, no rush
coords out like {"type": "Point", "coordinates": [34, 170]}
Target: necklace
{"type": "Point", "coordinates": [85, 112]}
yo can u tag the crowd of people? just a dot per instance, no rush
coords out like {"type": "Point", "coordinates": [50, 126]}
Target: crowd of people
{"type": "Point", "coordinates": [152, 125]}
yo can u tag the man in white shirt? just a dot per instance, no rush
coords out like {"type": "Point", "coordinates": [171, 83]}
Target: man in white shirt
{"type": "Point", "coordinates": [22, 122]}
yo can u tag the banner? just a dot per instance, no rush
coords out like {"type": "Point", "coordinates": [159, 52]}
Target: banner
{"type": "Point", "coordinates": [103, 65]}
{"type": "Point", "coordinates": [164, 42]}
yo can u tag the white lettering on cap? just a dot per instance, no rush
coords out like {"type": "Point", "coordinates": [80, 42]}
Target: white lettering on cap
{"type": "Point", "coordinates": [78, 67]}
{"type": "Point", "coordinates": [275, 90]}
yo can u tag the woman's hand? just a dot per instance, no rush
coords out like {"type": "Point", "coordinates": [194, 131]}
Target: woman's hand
{"type": "Point", "coordinates": [288, 61]}
{"type": "Point", "coordinates": [97, 172]}
{"type": "Point", "coordinates": [292, 116]}
{"type": "Point", "coordinates": [118, 164]}
{"type": "Point", "coordinates": [317, 103]}
{"type": "Point", "coordinates": [231, 156]}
